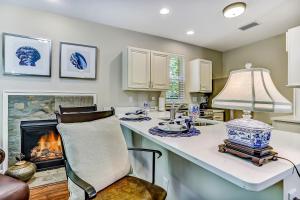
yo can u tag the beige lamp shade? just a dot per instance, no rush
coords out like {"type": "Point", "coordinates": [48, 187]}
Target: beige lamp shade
{"type": "Point", "coordinates": [251, 89]}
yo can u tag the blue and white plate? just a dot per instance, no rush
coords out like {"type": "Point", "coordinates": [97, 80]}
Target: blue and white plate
{"type": "Point", "coordinates": [171, 127]}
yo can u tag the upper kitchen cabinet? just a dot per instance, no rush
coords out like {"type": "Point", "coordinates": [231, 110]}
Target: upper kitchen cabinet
{"type": "Point", "coordinates": [136, 68]}
{"type": "Point", "coordinates": [293, 49]}
{"type": "Point", "coordinates": [159, 70]}
{"type": "Point", "coordinates": [200, 71]}
{"type": "Point", "coordinates": [145, 70]}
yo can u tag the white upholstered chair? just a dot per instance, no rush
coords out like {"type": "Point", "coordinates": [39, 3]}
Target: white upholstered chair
{"type": "Point", "coordinates": [97, 162]}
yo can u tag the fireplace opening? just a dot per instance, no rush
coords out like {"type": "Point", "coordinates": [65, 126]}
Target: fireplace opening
{"type": "Point", "coordinates": [41, 144]}
{"type": "Point", "coordinates": [48, 148]}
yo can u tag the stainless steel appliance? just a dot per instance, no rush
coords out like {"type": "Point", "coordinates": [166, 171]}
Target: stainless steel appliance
{"type": "Point", "coordinates": [203, 105]}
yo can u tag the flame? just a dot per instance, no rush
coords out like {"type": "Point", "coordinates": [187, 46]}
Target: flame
{"type": "Point", "coordinates": [48, 147]}
{"type": "Point", "coordinates": [51, 142]}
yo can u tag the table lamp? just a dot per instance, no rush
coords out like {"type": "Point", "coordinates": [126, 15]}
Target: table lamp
{"type": "Point", "coordinates": [250, 90]}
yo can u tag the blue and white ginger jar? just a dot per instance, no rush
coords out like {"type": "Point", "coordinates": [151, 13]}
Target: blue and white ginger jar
{"type": "Point", "coordinates": [249, 132]}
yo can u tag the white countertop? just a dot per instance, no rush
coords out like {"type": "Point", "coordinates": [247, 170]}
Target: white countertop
{"type": "Point", "coordinates": [203, 151]}
{"type": "Point", "coordinates": [289, 118]}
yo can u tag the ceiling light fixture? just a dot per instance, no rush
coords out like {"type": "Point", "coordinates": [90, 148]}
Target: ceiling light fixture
{"type": "Point", "coordinates": [234, 9]}
{"type": "Point", "coordinates": [164, 11]}
{"type": "Point", "coordinates": [191, 32]}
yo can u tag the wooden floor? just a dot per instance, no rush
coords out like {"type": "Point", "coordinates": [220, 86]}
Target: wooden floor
{"type": "Point", "coordinates": [57, 191]}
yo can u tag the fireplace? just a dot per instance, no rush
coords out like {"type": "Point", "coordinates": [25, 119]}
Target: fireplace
{"type": "Point", "coordinates": [41, 144]}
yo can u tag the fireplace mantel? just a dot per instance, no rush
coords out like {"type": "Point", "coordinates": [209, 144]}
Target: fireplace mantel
{"type": "Point", "coordinates": [5, 108]}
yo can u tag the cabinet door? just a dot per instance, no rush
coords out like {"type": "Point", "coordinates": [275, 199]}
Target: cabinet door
{"type": "Point", "coordinates": [194, 75]}
{"type": "Point", "coordinates": [293, 48]}
{"type": "Point", "coordinates": [205, 76]}
{"type": "Point", "coordinates": [159, 70]}
{"type": "Point", "coordinates": [138, 68]}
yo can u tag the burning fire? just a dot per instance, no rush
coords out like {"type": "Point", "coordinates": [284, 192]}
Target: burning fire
{"type": "Point", "coordinates": [49, 147]}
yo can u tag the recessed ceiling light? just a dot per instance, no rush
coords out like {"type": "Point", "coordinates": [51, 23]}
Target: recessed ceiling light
{"type": "Point", "coordinates": [234, 9]}
{"type": "Point", "coordinates": [164, 11]}
{"type": "Point", "coordinates": [191, 32]}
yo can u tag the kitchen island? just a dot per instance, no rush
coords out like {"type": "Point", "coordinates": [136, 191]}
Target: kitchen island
{"type": "Point", "coordinates": [202, 151]}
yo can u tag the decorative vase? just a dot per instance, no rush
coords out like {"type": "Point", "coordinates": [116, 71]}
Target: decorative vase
{"type": "Point", "coordinates": [194, 111]}
{"type": "Point", "coordinates": [2, 156]}
{"type": "Point", "coordinates": [249, 132]}
{"type": "Point", "coordinates": [22, 170]}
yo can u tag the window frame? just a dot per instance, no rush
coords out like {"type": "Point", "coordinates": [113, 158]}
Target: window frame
{"type": "Point", "coordinates": [182, 76]}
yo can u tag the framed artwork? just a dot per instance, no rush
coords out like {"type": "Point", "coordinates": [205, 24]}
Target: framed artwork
{"type": "Point", "coordinates": [26, 56]}
{"type": "Point", "coordinates": [78, 61]}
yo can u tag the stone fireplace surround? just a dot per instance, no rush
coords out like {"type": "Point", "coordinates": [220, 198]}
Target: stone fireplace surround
{"type": "Point", "coordinates": [20, 106]}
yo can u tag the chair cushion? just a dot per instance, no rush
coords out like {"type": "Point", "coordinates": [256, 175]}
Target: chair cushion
{"type": "Point", "coordinates": [13, 189]}
{"type": "Point", "coordinates": [132, 188]}
{"type": "Point", "coordinates": [96, 151]}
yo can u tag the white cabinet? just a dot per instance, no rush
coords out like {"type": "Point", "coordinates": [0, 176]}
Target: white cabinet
{"type": "Point", "coordinates": [159, 70]}
{"type": "Point", "coordinates": [136, 73]}
{"type": "Point", "coordinates": [293, 49]}
{"type": "Point", "coordinates": [144, 70]}
{"type": "Point", "coordinates": [200, 71]}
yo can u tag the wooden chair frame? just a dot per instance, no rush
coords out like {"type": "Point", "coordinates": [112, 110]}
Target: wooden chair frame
{"type": "Point", "coordinates": [77, 109]}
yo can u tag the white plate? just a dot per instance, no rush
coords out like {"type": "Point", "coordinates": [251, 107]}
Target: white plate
{"type": "Point", "coordinates": [172, 128]}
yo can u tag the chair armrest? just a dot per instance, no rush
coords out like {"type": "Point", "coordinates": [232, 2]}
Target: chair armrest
{"type": "Point", "coordinates": [89, 191]}
{"type": "Point", "coordinates": [153, 151]}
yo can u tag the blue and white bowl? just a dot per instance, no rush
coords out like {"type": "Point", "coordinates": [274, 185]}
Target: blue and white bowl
{"type": "Point", "coordinates": [249, 132]}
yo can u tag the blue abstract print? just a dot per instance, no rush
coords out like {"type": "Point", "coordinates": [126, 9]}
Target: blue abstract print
{"type": "Point", "coordinates": [28, 56]}
{"type": "Point", "coordinates": [78, 61]}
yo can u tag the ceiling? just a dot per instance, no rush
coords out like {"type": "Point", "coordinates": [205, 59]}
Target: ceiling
{"type": "Point", "coordinates": [205, 17]}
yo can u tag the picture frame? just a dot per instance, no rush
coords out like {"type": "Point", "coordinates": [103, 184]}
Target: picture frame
{"type": "Point", "coordinates": [26, 56]}
{"type": "Point", "coordinates": [78, 61]}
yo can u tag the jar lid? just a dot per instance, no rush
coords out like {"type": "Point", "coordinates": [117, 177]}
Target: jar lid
{"type": "Point", "coordinates": [248, 123]}
{"type": "Point", "coordinates": [20, 163]}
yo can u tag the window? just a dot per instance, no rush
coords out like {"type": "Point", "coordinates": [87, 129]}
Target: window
{"type": "Point", "coordinates": [176, 91]}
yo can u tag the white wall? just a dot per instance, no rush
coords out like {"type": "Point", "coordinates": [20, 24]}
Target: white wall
{"type": "Point", "coordinates": [111, 41]}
